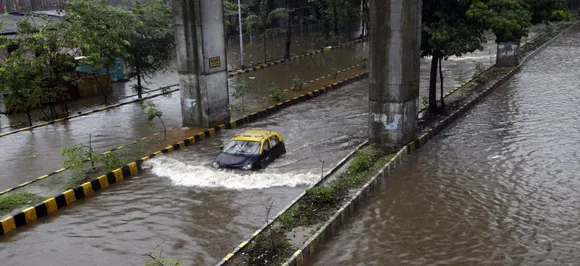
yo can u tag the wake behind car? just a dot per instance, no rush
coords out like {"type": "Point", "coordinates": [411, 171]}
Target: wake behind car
{"type": "Point", "coordinates": [253, 149]}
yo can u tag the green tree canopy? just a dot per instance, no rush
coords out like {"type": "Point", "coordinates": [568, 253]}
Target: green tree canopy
{"type": "Point", "coordinates": [151, 43]}
{"type": "Point", "coordinates": [263, 23]}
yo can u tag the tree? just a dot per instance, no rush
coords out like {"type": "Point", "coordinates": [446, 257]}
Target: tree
{"type": "Point", "coordinates": [100, 32]}
{"type": "Point", "coordinates": [51, 47]}
{"type": "Point", "coordinates": [508, 19]}
{"type": "Point", "coordinates": [151, 113]}
{"type": "Point", "coordinates": [339, 13]}
{"type": "Point", "coordinates": [263, 23]}
{"type": "Point", "coordinates": [21, 82]}
{"type": "Point", "coordinates": [290, 10]}
{"type": "Point", "coordinates": [547, 10]}
{"type": "Point", "coordinates": [447, 31]}
{"type": "Point", "coordinates": [151, 43]}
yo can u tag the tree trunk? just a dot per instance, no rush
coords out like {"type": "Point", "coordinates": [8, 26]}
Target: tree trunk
{"type": "Point", "coordinates": [366, 15]}
{"type": "Point", "coordinates": [164, 128]}
{"type": "Point", "coordinates": [265, 51]}
{"type": "Point", "coordinates": [66, 108]}
{"type": "Point", "coordinates": [335, 14]}
{"type": "Point", "coordinates": [433, 84]}
{"type": "Point", "coordinates": [106, 89]}
{"type": "Point", "coordinates": [29, 118]}
{"type": "Point", "coordinates": [139, 88]}
{"type": "Point", "coordinates": [288, 31]}
{"type": "Point", "coordinates": [441, 78]}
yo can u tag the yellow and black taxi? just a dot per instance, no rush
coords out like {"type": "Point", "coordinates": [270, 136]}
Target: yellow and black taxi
{"type": "Point", "coordinates": [253, 149]}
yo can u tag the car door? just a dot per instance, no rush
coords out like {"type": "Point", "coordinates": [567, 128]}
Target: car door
{"type": "Point", "coordinates": [266, 153]}
{"type": "Point", "coordinates": [275, 142]}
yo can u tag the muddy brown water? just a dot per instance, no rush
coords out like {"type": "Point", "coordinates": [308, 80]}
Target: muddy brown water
{"type": "Point", "coordinates": [41, 147]}
{"type": "Point", "coordinates": [499, 187]}
{"type": "Point", "coordinates": [191, 211]}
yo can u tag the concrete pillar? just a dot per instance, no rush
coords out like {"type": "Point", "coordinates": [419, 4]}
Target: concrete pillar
{"type": "Point", "coordinates": [508, 54]}
{"type": "Point", "coordinates": [201, 62]}
{"type": "Point", "coordinates": [395, 35]}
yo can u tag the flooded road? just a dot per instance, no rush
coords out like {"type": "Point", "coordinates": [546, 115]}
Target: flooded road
{"type": "Point", "coordinates": [194, 212]}
{"type": "Point", "coordinates": [119, 126]}
{"type": "Point", "coordinates": [499, 187]}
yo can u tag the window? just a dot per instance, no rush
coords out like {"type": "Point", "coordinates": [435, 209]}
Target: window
{"type": "Point", "coordinates": [274, 140]}
{"type": "Point", "coordinates": [238, 147]}
{"type": "Point", "coordinates": [266, 145]}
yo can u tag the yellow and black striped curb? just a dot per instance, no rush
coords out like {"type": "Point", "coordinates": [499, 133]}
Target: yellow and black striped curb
{"type": "Point", "coordinates": [31, 214]}
{"type": "Point", "coordinates": [135, 141]}
{"type": "Point", "coordinates": [258, 67]}
{"type": "Point", "coordinates": [335, 222]}
{"type": "Point", "coordinates": [64, 168]}
{"type": "Point", "coordinates": [271, 221]}
{"type": "Point", "coordinates": [79, 114]}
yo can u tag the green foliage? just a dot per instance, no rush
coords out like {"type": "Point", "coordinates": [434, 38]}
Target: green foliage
{"type": "Point", "coordinates": [508, 19]}
{"type": "Point", "coordinates": [337, 13]}
{"type": "Point", "coordinates": [479, 68]}
{"type": "Point", "coordinates": [99, 31]}
{"type": "Point", "coordinates": [240, 93]}
{"type": "Point", "coordinates": [111, 161]}
{"type": "Point", "coordinates": [321, 195]}
{"type": "Point", "coordinates": [263, 23]}
{"type": "Point", "coordinates": [21, 82]}
{"type": "Point", "coordinates": [77, 155]}
{"type": "Point", "coordinates": [151, 113]}
{"type": "Point", "coordinates": [362, 161]}
{"type": "Point", "coordinates": [151, 43]}
{"type": "Point", "coordinates": [9, 202]}
{"type": "Point", "coordinates": [543, 10]}
{"type": "Point", "coordinates": [298, 84]}
{"type": "Point", "coordinates": [289, 218]}
{"type": "Point", "coordinates": [277, 94]}
{"type": "Point", "coordinates": [333, 73]}
{"type": "Point", "coordinates": [155, 259]}
{"type": "Point", "coordinates": [363, 62]}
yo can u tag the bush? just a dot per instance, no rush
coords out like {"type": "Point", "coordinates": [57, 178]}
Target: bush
{"type": "Point", "coordinates": [334, 73]}
{"type": "Point", "coordinates": [321, 195]}
{"type": "Point", "coordinates": [298, 84]}
{"type": "Point", "coordinates": [362, 161]}
{"type": "Point", "coordinates": [277, 94]}
{"type": "Point", "coordinates": [560, 15]}
{"type": "Point", "coordinates": [11, 201]}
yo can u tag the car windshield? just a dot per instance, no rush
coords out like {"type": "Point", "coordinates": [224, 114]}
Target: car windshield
{"type": "Point", "coordinates": [238, 147]}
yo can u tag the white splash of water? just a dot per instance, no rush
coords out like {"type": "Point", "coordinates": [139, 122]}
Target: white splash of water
{"type": "Point", "coordinates": [190, 175]}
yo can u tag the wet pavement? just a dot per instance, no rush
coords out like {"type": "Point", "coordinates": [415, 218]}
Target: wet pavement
{"type": "Point", "coordinates": [499, 187]}
{"type": "Point", "coordinates": [193, 212]}
{"type": "Point", "coordinates": [41, 147]}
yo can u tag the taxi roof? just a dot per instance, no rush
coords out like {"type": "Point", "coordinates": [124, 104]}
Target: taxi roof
{"type": "Point", "coordinates": [255, 135]}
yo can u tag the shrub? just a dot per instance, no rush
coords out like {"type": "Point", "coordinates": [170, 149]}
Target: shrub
{"type": "Point", "coordinates": [298, 84]}
{"type": "Point", "coordinates": [362, 161]}
{"type": "Point", "coordinates": [321, 195]}
{"type": "Point", "coordinates": [277, 94]}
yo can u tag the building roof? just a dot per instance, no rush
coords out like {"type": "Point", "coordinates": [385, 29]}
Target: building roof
{"type": "Point", "coordinates": [38, 18]}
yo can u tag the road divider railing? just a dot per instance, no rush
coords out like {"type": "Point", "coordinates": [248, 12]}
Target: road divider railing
{"type": "Point", "coordinates": [234, 73]}
{"type": "Point", "coordinates": [142, 139]}
{"type": "Point", "coordinates": [279, 61]}
{"type": "Point", "coordinates": [166, 90]}
{"type": "Point", "coordinates": [328, 229]}
{"type": "Point", "coordinates": [49, 206]}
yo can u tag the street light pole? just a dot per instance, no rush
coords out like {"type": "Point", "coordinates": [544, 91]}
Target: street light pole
{"type": "Point", "coordinates": [241, 34]}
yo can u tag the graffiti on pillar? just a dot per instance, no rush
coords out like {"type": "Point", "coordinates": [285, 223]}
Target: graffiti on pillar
{"type": "Point", "coordinates": [188, 104]}
{"type": "Point", "coordinates": [390, 122]}
{"type": "Point", "coordinates": [508, 49]}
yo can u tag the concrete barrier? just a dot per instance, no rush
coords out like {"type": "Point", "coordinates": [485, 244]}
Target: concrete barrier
{"type": "Point", "coordinates": [49, 206]}
{"type": "Point", "coordinates": [272, 63]}
{"type": "Point", "coordinates": [335, 221]}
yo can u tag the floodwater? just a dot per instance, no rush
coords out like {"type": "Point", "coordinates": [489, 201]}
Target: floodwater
{"type": "Point", "coordinates": [193, 212]}
{"type": "Point", "coordinates": [499, 187]}
{"type": "Point", "coordinates": [41, 147]}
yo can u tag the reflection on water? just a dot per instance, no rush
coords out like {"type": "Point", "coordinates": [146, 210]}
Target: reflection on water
{"type": "Point", "coordinates": [501, 188]}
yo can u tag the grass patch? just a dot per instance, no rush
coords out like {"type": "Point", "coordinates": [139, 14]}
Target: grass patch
{"type": "Point", "coordinates": [314, 208]}
{"type": "Point", "coordinates": [11, 201]}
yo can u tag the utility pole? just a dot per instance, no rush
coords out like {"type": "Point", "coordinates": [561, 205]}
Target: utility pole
{"type": "Point", "coordinates": [241, 34]}
{"type": "Point", "coordinates": [395, 40]}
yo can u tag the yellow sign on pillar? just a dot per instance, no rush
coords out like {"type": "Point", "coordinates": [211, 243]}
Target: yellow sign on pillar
{"type": "Point", "coordinates": [214, 62]}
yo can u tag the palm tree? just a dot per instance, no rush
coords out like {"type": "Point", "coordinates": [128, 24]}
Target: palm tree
{"type": "Point", "coordinates": [263, 23]}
